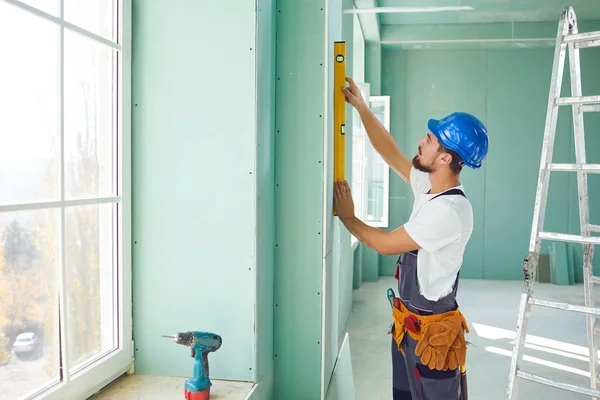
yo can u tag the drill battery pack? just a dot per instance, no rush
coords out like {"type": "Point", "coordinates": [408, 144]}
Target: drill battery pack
{"type": "Point", "coordinates": [202, 395]}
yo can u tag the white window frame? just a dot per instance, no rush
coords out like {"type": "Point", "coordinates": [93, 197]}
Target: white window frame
{"type": "Point", "coordinates": [359, 175]}
{"type": "Point", "coordinates": [384, 222]}
{"type": "Point", "coordinates": [104, 368]}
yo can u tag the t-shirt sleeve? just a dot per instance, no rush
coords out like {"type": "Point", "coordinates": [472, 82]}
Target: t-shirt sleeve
{"type": "Point", "coordinates": [436, 225]}
{"type": "Point", "coordinates": [419, 180]}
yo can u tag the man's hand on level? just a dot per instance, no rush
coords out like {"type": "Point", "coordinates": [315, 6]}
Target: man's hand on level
{"type": "Point", "coordinates": [387, 243]}
{"type": "Point", "coordinates": [342, 200]}
{"type": "Point", "coordinates": [353, 96]}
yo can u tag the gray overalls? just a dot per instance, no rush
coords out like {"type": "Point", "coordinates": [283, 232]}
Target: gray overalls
{"type": "Point", "coordinates": [409, 375]}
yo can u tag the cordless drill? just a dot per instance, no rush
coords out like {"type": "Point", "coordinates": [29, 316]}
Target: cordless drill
{"type": "Point", "coordinates": [201, 343]}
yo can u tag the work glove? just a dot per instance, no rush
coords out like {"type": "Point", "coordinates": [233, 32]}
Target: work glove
{"type": "Point", "coordinates": [440, 345]}
{"type": "Point", "coordinates": [457, 354]}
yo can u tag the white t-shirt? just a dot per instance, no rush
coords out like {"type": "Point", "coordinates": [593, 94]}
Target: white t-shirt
{"type": "Point", "coordinates": [442, 228]}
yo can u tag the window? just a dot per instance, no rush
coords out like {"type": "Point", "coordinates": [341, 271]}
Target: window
{"type": "Point", "coordinates": [378, 171]}
{"type": "Point", "coordinates": [65, 267]}
{"type": "Point", "coordinates": [370, 173]}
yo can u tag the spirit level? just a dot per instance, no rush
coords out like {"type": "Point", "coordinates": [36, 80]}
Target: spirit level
{"type": "Point", "coordinates": [339, 112]}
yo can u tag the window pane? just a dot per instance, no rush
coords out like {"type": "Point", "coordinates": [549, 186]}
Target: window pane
{"type": "Point", "coordinates": [357, 169]}
{"type": "Point", "coordinates": [29, 342]}
{"type": "Point", "coordinates": [89, 288]}
{"type": "Point", "coordinates": [376, 185]}
{"type": "Point", "coordinates": [88, 117]}
{"type": "Point", "coordinates": [49, 6]}
{"type": "Point", "coordinates": [29, 107]}
{"type": "Point", "coordinates": [377, 169]}
{"type": "Point", "coordinates": [96, 16]}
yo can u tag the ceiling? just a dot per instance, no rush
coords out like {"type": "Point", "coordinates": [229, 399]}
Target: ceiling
{"type": "Point", "coordinates": [491, 23]}
{"type": "Point", "coordinates": [488, 11]}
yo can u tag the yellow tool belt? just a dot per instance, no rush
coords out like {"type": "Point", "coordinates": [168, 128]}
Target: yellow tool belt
{"type": "Point", "coordinates": [440, 337]}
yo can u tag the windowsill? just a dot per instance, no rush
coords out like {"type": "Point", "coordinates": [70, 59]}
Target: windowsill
{"type": "Point", "coordinates": [168, 387]}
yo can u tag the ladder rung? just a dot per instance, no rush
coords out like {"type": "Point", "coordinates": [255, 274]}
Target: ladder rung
{"type": "Point", "coordinates": [565, 306]}
{"type": "Point", "coordinates": [585, 45]}
{"type": "Point", "coordinates": [594, 228]}
{"type": "Point", "coordinates": [595, 279]}
{"type": "Point", "coordinates": [563, 237]}
{"type": "Point", "coordinates": [590, 108]}
{"type": "Point", "coordinates": [582, 37]}
{"type": "Point", "coordinates": [567, 101]}
{"type": "Point", "coordinates": [559, 385]}
{"type": "Point", "coordinates": [589, 168]}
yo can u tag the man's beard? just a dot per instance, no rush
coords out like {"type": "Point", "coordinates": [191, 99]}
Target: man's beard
{"type": "Point", "coordinates": [417, 164]}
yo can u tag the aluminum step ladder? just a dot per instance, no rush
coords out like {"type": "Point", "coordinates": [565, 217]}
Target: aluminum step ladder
{"type": "Point", "coordinates": [567, 37]}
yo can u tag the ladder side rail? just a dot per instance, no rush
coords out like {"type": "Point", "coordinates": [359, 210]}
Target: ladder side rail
{"type": "Point", "coordinates": [583, 197]}
{"type": "Point", "coordinates": [530, 263]}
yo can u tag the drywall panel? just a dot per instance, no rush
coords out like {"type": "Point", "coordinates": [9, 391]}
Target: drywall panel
{"type": "Point", "coordinates": [342, 383]}
{"type": "Point", "coordinates": [394, 84]}
{"type": "Point", "coordinates": [590, 65]}
{"type": "Point", "coordinates": [263, 390]}
{"type": "Point", "coordinates": [370, 264]}
{"type": "Point", "coordinates": [310, 245]}
{"type": "Point", "coordinates": [358, 48]}
{"type": "Point", "coordinates": [333, 34]}
{"type": "Point", "coordinates": [357, 267]}
{"type": "Point", "coordinates": [194, 256]}
{"type": "Point", "coordinates": [373, 67]}
{"type": "Point", "coordinates": [331, 305]}
{"type": "Point", "coordinates": [518, 84]}
{"type": "Point", "coordinates": [299, 197]}
{"type": "Point", "coordinates": [345, 277]}
{"type": "Point", "coordinates": [335, 236]}
{"type": "Point", "coordinates": [265, 187]}
{"type": "Point", "coordinates": [421, 88]}
{"type": "Point", "coordinates": [508, 89]}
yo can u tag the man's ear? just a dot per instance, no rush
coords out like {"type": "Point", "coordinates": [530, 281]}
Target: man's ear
{"type": "Point", "coordinates": [446, 158]}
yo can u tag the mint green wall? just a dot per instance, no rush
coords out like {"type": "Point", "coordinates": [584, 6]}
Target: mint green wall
{"type": "Point", "coordinates": [270, 268]}
{"type": "Point", "coordinates": [508, 90]}
{"type": "Point", "coordinates": [313, 259]}
{"type": "Point", "coordinates": [299, 150]}
{"type": "Point", "coordinates": [337, 239]}
{"type": "Point", "coordinates": [370, 264]}
{"type": "Point", "coordinates": [265, 195]}
{"type": "Point", "coordinates": [373, 67]}
{"type": "Point", "coordinates": [203, 130]}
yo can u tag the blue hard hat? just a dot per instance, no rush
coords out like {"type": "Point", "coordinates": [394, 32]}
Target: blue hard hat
{"type": "Point", "coordinates": [464, 134]}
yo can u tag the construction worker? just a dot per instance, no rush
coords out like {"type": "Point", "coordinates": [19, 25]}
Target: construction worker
{"type": "Point", "coordinates": [428, 346]}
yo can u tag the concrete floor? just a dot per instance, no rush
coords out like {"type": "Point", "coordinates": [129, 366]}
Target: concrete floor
{"type": "Point", "coordinates": [556, 347]}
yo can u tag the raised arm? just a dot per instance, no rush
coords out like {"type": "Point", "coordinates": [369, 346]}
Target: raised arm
{"type": "Point", "coordinates": [380, 138]}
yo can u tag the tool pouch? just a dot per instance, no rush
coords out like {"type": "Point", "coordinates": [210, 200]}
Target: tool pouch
{"type": "Point", "coordinates": [443, 344]}
{"type": "Point", "coordinates": [399, 328]}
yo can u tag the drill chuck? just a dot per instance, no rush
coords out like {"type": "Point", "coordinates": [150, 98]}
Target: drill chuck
{"type": "Point", "coordinates": [184, 338]}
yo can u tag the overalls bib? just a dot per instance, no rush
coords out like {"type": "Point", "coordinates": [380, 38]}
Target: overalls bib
{"type": "Point", "coordinates": [409, 375]}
